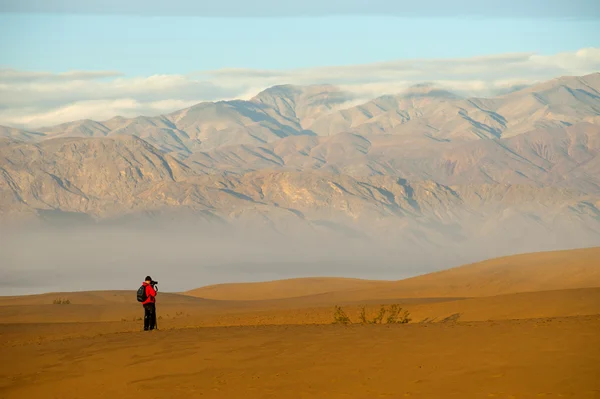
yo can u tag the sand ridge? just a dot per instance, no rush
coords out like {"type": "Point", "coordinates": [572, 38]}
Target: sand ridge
{"type": "Point", "coordinates": [550, 284]}
{"type": "Point", "coordinates": [541, 271]}
{"type": "Point", "coordinates": [279, 289]}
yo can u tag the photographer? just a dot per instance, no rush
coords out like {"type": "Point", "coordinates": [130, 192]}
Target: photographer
{"type": "Point", "coordinates": [149, 304]}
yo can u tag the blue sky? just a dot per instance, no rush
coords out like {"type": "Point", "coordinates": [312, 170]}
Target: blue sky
{"type": "Point", "coordinates": [63, 60]}
{"type": "Point", "coordinates": [143, 45]}
{"type": "Point", "coordinates": [281, 8]}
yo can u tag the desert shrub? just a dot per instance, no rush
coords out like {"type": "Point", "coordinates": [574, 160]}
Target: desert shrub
{"type": "Point", "coordinates": [452, 318]}
{"type": "Point", "coordinates": [396, 315]}
{"type": "Point", "coordinates": [405, 318]}
{"type": "Point", "coordinates": [363, 315]}
{"type": "Point", "coordinates": [379, 318]}
{"type": "Point", "coordinates": [393, 316]}
{"type": "Point", "coordinates": [340, 317]}
{"type": "Point", "coordinates": [61, 301]}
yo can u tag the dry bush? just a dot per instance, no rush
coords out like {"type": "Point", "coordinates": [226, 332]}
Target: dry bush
{"type": "Point", "coordinates": [340, 317]}
{"type": "Point", "coordinates": [379, 318]}
{"type": "Point", "coordinates": [395, 315]}
{"type": "Point", "coordinates": [363, 315]}
{"type": "Point", "coordinates": [61, 301]}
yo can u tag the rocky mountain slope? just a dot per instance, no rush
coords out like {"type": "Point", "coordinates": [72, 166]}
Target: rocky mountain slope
{"type": "Point", "coordinates": [325, 110]}
{"type": "Point", "coordinates": [112, 179]}
{"type": "Point", "coordinates": [559, 156]}
{"type": "Point", "coordinates": [424, 169]}
{"type": "Point", "coordinates": [444, 116]}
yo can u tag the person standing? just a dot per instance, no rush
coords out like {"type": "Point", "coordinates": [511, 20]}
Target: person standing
{"type": "Point", "coordinates": [149, 305]}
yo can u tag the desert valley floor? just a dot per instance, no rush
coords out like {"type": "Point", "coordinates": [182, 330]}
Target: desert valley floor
{"type": "Point", "coordinates": [515, 327]}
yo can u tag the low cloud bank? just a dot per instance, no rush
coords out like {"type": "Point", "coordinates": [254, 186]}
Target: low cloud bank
{"type": "Point", "coordinates": [32, 100]}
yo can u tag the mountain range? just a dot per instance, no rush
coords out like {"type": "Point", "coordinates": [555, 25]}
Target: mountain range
{"type": "Point", "coordinates": [424, 168]}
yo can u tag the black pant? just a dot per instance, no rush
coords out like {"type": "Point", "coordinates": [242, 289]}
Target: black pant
{"type": "Point", "coordinates": [149, 316]}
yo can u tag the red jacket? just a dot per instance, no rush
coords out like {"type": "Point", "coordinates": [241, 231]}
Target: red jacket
{"type": "Point", "coordinates": [150, 294]}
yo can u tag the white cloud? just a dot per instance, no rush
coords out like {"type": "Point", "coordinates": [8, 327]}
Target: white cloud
{"type": "Point", "coordinates": [13, 75]}
{"type": "Point", "coordinates": [34, 99]}
{"type": "Point", "coordinates": [89, 109]}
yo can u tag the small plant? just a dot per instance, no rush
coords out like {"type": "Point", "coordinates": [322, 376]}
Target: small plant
{"type": "Point", "coordinates": [379, 318]}
{"type": "Point", "coordinates": [395, 317]}
{"type": "Point", "coordinates": [363, 315]}
{"type": "Point", "coordinates": [61, 301]}
{"type": "Point", "coordinates": [452, 318]}
{"type": "Point", "coordinates": [340, 317]}
{"type": "Point", "coordinates": [405, 318]}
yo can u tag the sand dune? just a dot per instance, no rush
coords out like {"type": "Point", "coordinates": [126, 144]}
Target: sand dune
{"type": "Point", "coordinates": [97, 306]}
{"type": "Point", "coordinates": [518, 359]}
{"type": "Point", "coordinates": [90, 298]}
{"type": "Point", "coordinates": [472, 335]}
{"type": "Point", "coordinates": [527, 305]}
{"type": "Point", "coordinates": [520, 273]}
{"type": "Point", "coordinates": [554, 271]}
{"type": "Point", "coordinates": [289, 288]}
{"type": "Point", "coordinates": [560, 303]}
{"type": "Point", "coordinates": [550, 284]}
{"type": "Point", "coordinates": [530, 305]}
{"type": "Point", "coordinates": [542, 271]}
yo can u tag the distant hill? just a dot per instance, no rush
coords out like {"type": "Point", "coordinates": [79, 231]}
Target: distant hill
{"type": "Point", "coordinates": [533, 272]}
{"type": "Point", "coordinates": [292, 288]}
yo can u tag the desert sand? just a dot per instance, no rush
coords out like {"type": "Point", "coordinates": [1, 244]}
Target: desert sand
{"type": "Point", "coordinates": [515, 327]}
